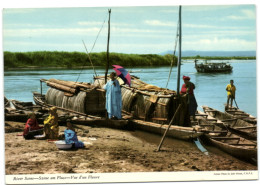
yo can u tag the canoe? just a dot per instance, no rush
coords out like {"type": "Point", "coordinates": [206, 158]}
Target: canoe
{"type": "Point", "coordinates": [225, 140]}
{"type": "Point", "coordinates": [237, 113]}
{"type": "Point", "coordinates": [238, 126]}
{"type": "Point", "coordinates": [177, 132]}
{"type": "Point", "coordinates": [22, 105]}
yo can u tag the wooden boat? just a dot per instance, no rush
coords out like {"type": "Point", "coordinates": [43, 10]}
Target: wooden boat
{"type": "Point", "coordinates": [22, 105]}
{"type": "Point", "coordinates": [237, 113]}
{"type": "Point", "coordinates": [148, 109]}
{"type": "Point", "coordinates": [177, 132]}
{"type": "Point", "coordinates": [6, 102]}
{"type": "Point", "coordinates": [235, 125]}
{"type": "Point", "coordinates": [212, 67]}
{"type": "Point", "coordinates": [226, 140]}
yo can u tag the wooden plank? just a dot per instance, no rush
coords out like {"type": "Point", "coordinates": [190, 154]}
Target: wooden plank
{"type": "Point", "coordinates": [227, 138]}
{"type": "Point", "coordinates": [211, 119]}
{"type": "Point", "coordinates": [243, 144]}
{"type": "Point", "coordinates": [227, 120]}
{"type": "Point", "coordinates": [203, 115]}
{"type": "Point", "coordinates": [245, 127]}
{"type": "Point", "coordinates": [210, 110]}
{"type": "Point", "coordinates": [160, 119]}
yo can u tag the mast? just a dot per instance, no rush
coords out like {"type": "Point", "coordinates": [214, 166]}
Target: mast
{"type": "Point", "coordinates": [179, 57]}
{"type": "Point", "coordinates": [108, 38]}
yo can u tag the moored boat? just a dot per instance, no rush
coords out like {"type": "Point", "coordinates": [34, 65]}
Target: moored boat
{"type": "Point", "coordinates": [207, 67]}
{"type": "Point", "coordinates": [235, 125]}
{"type": "Point", "coordinates": [237, 113]}
{"type": "Point", "coordinates": [226, 140]}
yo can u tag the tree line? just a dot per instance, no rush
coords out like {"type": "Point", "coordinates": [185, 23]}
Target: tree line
{"type": "Point", "coordinates": [78, 59]}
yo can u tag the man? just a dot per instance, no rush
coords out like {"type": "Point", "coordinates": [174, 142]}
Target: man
{"type": "Point", "coordinates": [113, 97]}
{"type": "Point", "coordinates": [231, 92]}
{"type": "Point", "coordinates": [187, 88]}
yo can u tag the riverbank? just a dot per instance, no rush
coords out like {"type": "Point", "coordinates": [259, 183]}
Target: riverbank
{"type": "Point", "coordinates": [110, 150]}
{"type": "Point", "coordinates": [72, 60]}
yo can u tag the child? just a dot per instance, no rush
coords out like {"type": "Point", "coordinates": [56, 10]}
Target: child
{"type": "Point", "coordinates": [71, 136]}
{"type": "Point", "coordinates": [32, 127]}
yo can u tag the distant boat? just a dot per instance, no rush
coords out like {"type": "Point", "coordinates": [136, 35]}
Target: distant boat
{"type": "Point", "coordinates": [212, 67]}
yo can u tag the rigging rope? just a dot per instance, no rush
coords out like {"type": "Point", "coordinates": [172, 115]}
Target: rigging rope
{"type": "Point", "coordinates": [92, 50]}
{"type": "Point", "coordinates": [176, 42]}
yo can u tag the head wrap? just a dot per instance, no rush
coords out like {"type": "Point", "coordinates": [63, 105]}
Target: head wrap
{"type": "Point", "coordinates": [186, 78]}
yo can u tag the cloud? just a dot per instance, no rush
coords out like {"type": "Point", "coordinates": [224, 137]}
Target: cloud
{"type": "Point", "coordinates": [159, 23]}
{"type": "Point", "coordinates": [18, 10]}
{"type": "Point", "coordinates": [216, 44]}
{"type": "Point", "coordinates": [246, 15]}
{"type": "Point", "coordinates": [90, 23]}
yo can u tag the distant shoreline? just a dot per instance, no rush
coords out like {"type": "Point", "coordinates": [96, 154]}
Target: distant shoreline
{"type": "Point", "coordinates": [77, 60]}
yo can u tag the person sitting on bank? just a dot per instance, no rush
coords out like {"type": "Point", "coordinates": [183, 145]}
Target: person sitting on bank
{"type": "Point", "coordinates": [188, 88]}
{"type": "Point", "coordinates": [32, 127]}
{"type": "Point", "coordinates": [51, 126]}
{"type": "Point", "coordinates": [231, 93]}
{"type": "Point", "coordinates": [113, 97]}
{"type": "Point", "coordinates": [71, 136]}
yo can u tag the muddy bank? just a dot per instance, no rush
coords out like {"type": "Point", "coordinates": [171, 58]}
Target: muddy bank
{"type": "Point", "coordinates": [110, 150]}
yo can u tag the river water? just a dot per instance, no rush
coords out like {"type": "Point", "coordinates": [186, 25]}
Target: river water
{"type": "Point", "coordinates": [210, 88]}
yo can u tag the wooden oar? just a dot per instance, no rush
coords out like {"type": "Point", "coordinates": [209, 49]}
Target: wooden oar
{"type": "Point", "coordinates": [177, 111]}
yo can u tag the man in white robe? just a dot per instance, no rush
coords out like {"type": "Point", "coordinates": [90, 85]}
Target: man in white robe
{"type": "Point", "coordinates": [113, 97]}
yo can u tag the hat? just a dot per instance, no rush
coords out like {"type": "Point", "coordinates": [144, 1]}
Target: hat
{"type": "Point", "coordinates": [186, 78]}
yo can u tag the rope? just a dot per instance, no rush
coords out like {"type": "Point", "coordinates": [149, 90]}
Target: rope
{"type": "Point", "coordinates": [176, 42]}
{"type": "Point", "coordinates": [92, 50]}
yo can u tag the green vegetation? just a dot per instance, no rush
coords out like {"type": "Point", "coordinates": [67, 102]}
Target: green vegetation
{"type": "Point", "coordinates": [47, 59]}
{"type": "Point", "coordinates": [76, 59]}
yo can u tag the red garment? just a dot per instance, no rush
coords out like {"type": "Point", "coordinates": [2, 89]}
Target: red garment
{"type": "Point", "coordinates": [186, 78]}
{"type": "Point", "coordinates": [184, 88]}
{"type": "Point", "coordinates": [31, 124]}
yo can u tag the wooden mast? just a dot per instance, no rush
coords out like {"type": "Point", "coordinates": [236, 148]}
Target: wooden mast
{"type": "Point", "coordinates": [179, 57]}
{"type": "Point", "coordinates": [108, 38]}
{"type": "Point", "coordinates": [178, 84]}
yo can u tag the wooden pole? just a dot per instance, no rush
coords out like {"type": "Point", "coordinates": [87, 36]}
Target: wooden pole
{"type": "Point", "coordinates": [175, 114]}
{"type": "Point", "coordinates": [108, 38]}
{"type": "Point", "coordinates": [179, 58]}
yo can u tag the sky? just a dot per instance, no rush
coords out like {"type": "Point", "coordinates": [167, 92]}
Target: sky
{"type": "Point", "coordinates": [135, 29]}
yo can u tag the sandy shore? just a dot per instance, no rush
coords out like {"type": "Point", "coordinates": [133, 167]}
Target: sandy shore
{"type": "Point", "coordinates": [110, 150]}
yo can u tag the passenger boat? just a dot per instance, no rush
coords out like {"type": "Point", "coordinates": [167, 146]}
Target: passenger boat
{"type": "Point", "coordinates": [237, 113]}
{"type": "Point", "coordinates": [226, 140]}
{"type": "Point", "coordinates": [207, 67]}
{"type": "Point", "coordinates": [235, 125]}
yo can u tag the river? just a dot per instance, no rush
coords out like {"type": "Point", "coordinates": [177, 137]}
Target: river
{"type": "Point", "coordinates": [210, 88]}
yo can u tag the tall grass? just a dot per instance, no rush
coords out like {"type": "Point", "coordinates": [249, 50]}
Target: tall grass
{"type": "Point", "coordinates": [78, 59]}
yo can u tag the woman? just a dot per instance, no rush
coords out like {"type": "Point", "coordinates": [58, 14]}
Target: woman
{"type": "Point", "coordinates": [113, 97]}
{"type": "Point", "coordinates": [32, 127]}
{"type": "Point", "coordinates": [71, 136]}
{"type": "Point", "coordinates": [187, 88]}
{"type": "Point", "coordinates": [51, 127]}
